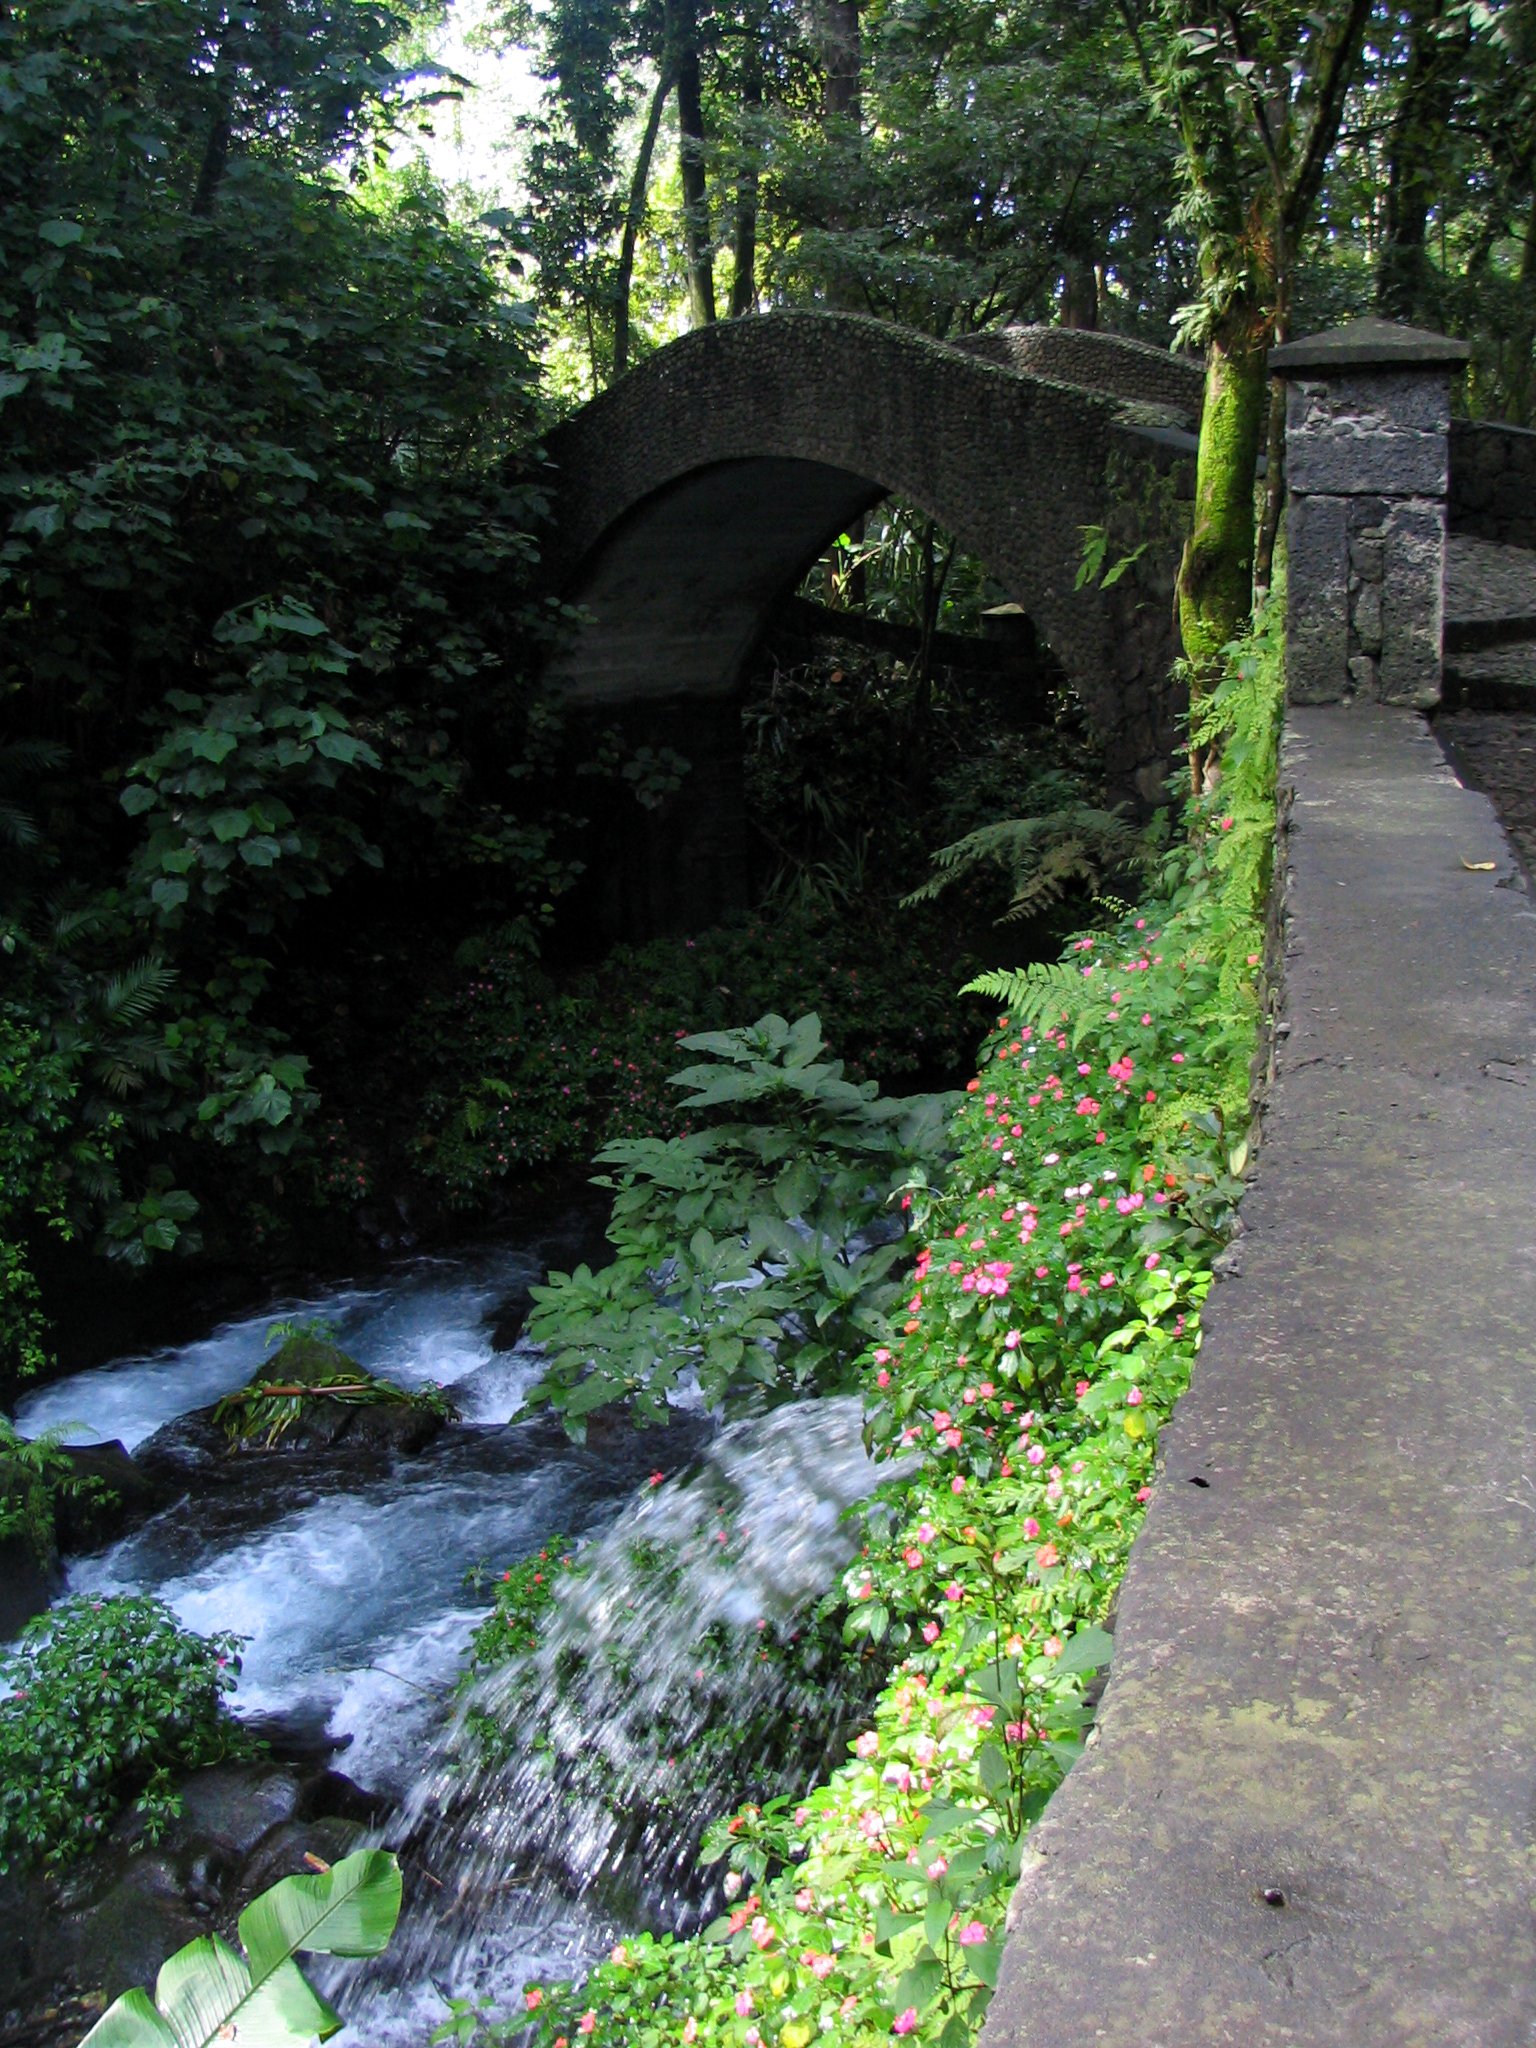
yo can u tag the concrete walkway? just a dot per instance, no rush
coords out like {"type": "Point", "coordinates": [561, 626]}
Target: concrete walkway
{"type": "Point", "coordinates": [1309, 1813]}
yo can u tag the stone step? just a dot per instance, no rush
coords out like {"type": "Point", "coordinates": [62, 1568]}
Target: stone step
{"type": "Point", "coordinates": [1467, 635]}
{"type": "Point", "coordinates": [1487, 584]}
{"type": "Point", "coordinates": [1493, 678]}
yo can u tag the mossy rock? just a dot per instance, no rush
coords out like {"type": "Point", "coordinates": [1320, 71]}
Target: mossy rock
{"type": "Point", "coordinates": [393, 1420]}
{"type": "Point", "coordinates": [305, 1359]}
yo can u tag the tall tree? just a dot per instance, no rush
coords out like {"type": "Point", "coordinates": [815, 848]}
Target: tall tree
{"type": "Point", "coordinates": [1255, 92]}
{"type": "Point", "coordinates": [682, 57]}
{"type": "Point", "coordinates": [261, 585]}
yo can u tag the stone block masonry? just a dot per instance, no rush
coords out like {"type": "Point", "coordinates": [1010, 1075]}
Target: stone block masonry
{"type": "Point", "coordinates": [694, 494]}
{"type": "Point", "coordinates": [1368, 422]}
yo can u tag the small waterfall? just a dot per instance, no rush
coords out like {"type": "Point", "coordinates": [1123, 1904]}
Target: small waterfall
{"type": "Point", "coordinates": [680, 1671]}
{"type": "Point", "coordinates": [559, 1803]}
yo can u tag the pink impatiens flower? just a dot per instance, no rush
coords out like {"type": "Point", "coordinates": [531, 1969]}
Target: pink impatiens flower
{"type": "Point", "coordinates": [905, 2022]}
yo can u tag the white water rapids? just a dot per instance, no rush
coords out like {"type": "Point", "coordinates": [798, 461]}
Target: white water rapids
{"type": "Point", "coordinates": [348, 1578]}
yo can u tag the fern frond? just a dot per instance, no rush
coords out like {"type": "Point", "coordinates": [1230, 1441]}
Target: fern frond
{"type": "Point", "coordinates": [17, 827]}
{"type": "Point", "coordinates": [1041, 856]}
{"type": "Point", "coordinates": [1032, 993]}
{"type": "Point", "coordinates": [74, 923]}
{"type": "Point", "coordinates": [129, 997]}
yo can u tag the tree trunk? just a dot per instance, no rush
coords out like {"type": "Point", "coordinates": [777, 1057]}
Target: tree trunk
{"type": "Point", "coordinates": [744, 242]}
{"type": "Point", "coordinates": [216, 147]}
{"type": "Point", "coordinates": [840, 35]}
{"type": "Point", "coordinates": [1415, 150]}
{"type": "Point", "coordinates": [1274, 446]}
{"type": "Point", "coordinates": [634, 214]}
{"type": "Point", "coordinates": [1520, 385]}
{"type": "Point", "coordinates": [1079, 294]}
{"type": "Point", "coordinates": [691, 146]}
{"type": "Point", "coordinates": [1215, 590]}
{"type": "Point", "coordinates": [839, 38]}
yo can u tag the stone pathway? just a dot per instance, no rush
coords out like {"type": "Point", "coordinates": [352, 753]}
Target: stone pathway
{"type": "Point", "coordinates": [1307, 1816]}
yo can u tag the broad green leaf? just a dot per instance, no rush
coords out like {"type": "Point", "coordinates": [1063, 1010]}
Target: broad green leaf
{"type": "Point", "coordinates": [919, 1984]}
{"type": "Point", "coordinates": [131, 2022]}
{"type": "Point", "coordinates": [592, 1393]}
{"type": "Point", "coordinates": [1090, 1649]}
{"type": "Point", "coordinates": [992, 1768]}
{"type": "Point", "coordinates": [804, 1040]}
{"type": "Point", "coordinates": [60, 233]}
{"type": "Point", "coordinates": [292, 620]}
{"type": "Point", "coordinates": [349, 1910]}
{"type": "Point", "coordinates": [937, 1915]}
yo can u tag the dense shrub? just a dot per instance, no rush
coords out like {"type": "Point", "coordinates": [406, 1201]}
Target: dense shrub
{"type": "Point", "coordinates": [109, 1698]}
{"type": "Point", "coordinates": [757, 1253]}
{"type": "Point", "coordinates": [525, 1072]}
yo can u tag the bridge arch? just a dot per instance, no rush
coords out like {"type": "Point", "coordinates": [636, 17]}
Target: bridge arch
{"type": "Point", "coordinates": [692, 495]}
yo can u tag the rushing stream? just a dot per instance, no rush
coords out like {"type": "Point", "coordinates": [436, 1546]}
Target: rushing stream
{"type": "Point", "coordinates": [348, 1576]}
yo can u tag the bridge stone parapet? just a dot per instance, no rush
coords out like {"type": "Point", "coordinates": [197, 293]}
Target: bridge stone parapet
{"type": "Point", "coordinates": [695, 493]}
{"type": "Point", "coordinates": [1109, 363]}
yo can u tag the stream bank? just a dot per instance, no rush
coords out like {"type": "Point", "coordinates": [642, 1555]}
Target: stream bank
{"type": "Point", "coordinates": [358, 1574]}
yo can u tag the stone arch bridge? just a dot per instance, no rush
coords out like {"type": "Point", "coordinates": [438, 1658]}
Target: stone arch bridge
{"type": "Point", "coordinates": [695, 494]}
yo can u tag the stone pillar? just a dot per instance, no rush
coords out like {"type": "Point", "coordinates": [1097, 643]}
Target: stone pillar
{"type": "Point", "coordinates": [1367, 431]}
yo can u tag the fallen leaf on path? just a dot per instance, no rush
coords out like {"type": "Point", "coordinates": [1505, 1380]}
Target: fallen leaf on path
{"type": "Point", "coordinates": [1479, 867]}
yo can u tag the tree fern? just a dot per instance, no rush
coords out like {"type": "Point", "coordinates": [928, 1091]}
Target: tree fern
{"type": "Point", "coordinates": [1042, 856]}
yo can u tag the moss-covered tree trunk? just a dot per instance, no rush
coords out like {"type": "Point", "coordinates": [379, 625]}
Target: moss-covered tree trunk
{"type": "Point", "coordinates": [1216, 574]}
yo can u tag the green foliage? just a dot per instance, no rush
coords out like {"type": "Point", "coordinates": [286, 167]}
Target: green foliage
{"type": "Point", "coordinates": [1095, 571]}
{"type": "Point", "coordinates": [521, 1070]}
{"type": "Point", "coordinates": [264, 594]}
{"type": "Point", "coordinates": [1076, 845]}
{"type": "Point", "coordinates": [742, 1252]}
{"type": "Point", "coordinates": [108, 1699]}
{"type": "Point", "coordinates": [311, 1371]}
{"type": "Point", "coordinates": [35, 1474]}
{"type": "Point", "coordinates": [206, 1993]}
{"type": "Point", "coordinates": [1051, 1326]}
{"type": "Point", "coordinates": [522, 1595]}
{"type": "Point", "coordinates": [1209, 918]}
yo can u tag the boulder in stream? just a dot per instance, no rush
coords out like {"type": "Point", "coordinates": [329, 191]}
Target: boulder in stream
{"type": "Point", "coordinates": [89, 1931]}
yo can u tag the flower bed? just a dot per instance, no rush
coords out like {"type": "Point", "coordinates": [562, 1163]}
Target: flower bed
{"type": "Point", "coordinates": [1052, 1323]}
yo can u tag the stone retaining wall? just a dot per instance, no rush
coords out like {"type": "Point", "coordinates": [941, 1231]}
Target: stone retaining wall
{"type": "Point", "coordinates": [1493, 482]}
